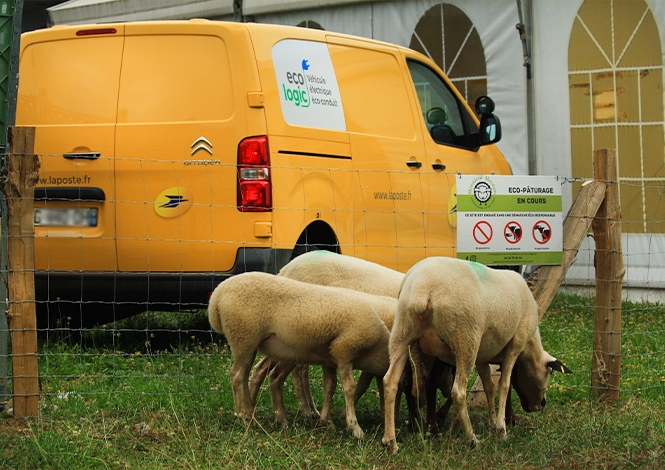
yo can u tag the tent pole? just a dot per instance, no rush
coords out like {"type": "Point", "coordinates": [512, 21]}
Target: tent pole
{"type": "Point", "coordinates": [524, 10]}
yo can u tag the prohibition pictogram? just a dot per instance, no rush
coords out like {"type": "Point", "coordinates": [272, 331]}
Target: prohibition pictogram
{"type": "Point", "coordinates": [482, 232]}
{"type": "Point", "coordinates": [512, 232]}
{"type": "Point", "coordinates": [542, 232]}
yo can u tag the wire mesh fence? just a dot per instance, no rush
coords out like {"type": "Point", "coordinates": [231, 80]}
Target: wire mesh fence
{"type": "Point", "coordinates": [148, 335]}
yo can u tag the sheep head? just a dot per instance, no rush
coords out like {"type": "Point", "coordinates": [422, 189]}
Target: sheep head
{"type": "Point", "coordinates": [531, 375]}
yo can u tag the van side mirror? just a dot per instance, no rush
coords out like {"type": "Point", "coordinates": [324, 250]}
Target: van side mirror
{"type": "Point", "coordinates": [490, 126]}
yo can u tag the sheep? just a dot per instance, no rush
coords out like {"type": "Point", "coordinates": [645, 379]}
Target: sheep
{"type": "Point", "coordinates": [327, 268]}
{"type": "Point", "coordinates": [465, 313]}
{"type": "Point", "coordinates": [331, 269]}
{"type": "Point", "coordinates": [298, 323]}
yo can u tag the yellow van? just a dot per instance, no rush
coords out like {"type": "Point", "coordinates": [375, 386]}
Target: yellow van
{"type": "Point", "coordinates": [176, 154]}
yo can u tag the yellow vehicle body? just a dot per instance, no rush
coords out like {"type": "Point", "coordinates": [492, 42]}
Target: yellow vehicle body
{"type": "Point", "coordinates": [139, 131]}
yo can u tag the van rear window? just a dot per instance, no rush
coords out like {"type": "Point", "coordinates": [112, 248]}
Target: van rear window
{"type": "Point", "coordinates": [71, 81]}
{"type": "Point", "coordinates": [176, 78]}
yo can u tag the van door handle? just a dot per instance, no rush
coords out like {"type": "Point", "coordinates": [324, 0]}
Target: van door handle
{"type": "Point", "coordinates": [438, 166]}
{"type": "Point", "coordinates": [83, 155]}
{"type": "Point", "coordinates": [413, 164]}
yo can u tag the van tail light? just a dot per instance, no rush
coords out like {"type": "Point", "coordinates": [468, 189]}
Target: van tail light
{"type": "Point", "coordinates": [254, 184]}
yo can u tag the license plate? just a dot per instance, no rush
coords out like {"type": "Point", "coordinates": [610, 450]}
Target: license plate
{"type": "Point", "coordinates": [74, 217]}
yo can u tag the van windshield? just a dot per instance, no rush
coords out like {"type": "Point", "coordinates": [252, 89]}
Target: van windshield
{"type": "Point", "coordinates": [447, 121]}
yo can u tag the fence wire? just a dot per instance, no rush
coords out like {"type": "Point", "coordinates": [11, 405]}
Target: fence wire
{"type": "Point", "coordinates": [155, 353]}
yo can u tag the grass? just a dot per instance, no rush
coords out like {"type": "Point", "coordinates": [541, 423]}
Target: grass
{"type": "Point", "coordinates": [153, 392]}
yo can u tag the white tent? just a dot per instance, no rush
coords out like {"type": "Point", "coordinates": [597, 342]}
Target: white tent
{"type": "Point", "coordinates": [535, 112]}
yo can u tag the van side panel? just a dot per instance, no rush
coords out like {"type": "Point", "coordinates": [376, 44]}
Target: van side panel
{"type": "Point", "coordinates": [68, 90]}
{"type": "Point", "coordinates": [311, 159]}
{"type": "Point", "coordinates": [312, 181]}
{"type": "Point", "coordinates": [389, 196]}
{"type": "Point", "coordinates": [180, 119]}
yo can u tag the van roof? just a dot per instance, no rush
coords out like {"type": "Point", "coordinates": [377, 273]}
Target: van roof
{"type": "Point", "coordinates": [197, 24]}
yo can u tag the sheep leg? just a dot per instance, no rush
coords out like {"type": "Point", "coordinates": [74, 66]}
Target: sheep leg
{"type": "Point", "coordinates": [242, 363]}
{"type": "Point", "coordinates": [277, 378]}
{"type": "Point", "coordinates": [382, 395]}
{"type": "Point", "coordinates": [259, 373]}
{"type": "Point", "coordinates": [490, 391]}
{"type": "Point", "coordinates": [445, 383]}
{"type": "Point", "coordinates": [411, 390]}
{"type": "Point", "coordinates": [504, 390]}
{"type": "Point", "coordinates": [400, 354]}
{"type": "Point", "coordinates": [329, 385]}
{"type": "Point", "coordinates": [510, 413]}
{"type": "Point", "coordinates": [442, 412]}
{"type": "Point", "coordinates": [458, 394]}
{"type": "Point", "coordinates": [363, 384]}
{"type": "Point", "coordinates": [417, 374]}
{"type": "Point", "coordinates": [303, 392]}
{"type": "Point", "coordinates": [349, 385]}
{"type": "Point", "coordinates": [431, 387]}
{"type": "Point", "coordinates": [364, 381]}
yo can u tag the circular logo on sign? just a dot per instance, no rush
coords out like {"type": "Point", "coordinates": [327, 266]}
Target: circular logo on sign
{"type": "Point", "coordinates": [483, 191]}
{"type": "Point", "coordinates": [173, 202]}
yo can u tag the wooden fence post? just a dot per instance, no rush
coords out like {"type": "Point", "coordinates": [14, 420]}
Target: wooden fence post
{"type": "Point", "coordinates": [606, 362]}
{"type": "Point", "coordinates": [19, 189]}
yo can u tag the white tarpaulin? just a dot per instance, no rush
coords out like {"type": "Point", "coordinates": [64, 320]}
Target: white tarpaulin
{"type": "Point", "coordinates": [108, 11]}
{"type": "Point", "coordinates": [395, 21]}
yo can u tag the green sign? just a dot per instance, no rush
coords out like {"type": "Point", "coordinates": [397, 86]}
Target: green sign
{"type": "Point", "coordinates": [509, 220]}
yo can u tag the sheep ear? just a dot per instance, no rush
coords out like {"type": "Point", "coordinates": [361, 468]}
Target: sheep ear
{"type": "Point", "coordinates": [558, 366]}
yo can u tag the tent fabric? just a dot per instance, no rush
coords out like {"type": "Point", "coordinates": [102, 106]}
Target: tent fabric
{"type": "Point", "coordinates": [644, 254]}
{"type": "Point", "coordinates": [258, 7]}
{"type": "Point", "coordinates": [395, 21]}
{"type": "Point", "coordinates": [107, 11]}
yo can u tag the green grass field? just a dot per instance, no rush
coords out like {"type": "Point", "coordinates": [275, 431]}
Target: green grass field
{"type": "Point", "coordinates": [153, 392]}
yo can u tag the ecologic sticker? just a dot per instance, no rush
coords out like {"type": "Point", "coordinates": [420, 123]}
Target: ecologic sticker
{"type": "Point", "coordinates": [307, 85]}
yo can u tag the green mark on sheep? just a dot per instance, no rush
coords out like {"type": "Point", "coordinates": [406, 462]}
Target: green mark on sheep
{"type": "Point", "coordinates": [477, 266]}
{"type": "Point", "coordinates": [480, 269]}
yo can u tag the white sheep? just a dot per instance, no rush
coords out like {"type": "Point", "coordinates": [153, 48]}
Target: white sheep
{"type": "Point", "coordinates": [332, 269]}
{"type": "Point", "coordinates": [297, 323]}
{"type": "Point", "coordinates": [465, 313]}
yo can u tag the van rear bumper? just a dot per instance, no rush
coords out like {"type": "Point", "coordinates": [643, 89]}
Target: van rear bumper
{"type": "Point", "coordinates": [89, 298]}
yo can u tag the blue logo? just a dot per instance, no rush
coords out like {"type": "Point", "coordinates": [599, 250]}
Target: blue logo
{"type": "Point", "coordinates": [305, 65]}
{"type": "Point", "coordinates": [173, 201]}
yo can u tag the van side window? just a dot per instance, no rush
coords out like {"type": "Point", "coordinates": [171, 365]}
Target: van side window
{"type": "Point", "coordinates": [447, 120]}
{"type": "Point", "coordinates": [374, 92]}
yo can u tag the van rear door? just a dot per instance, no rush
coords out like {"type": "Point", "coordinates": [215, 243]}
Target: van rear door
{"type": "Point", "coordinates": [181, 116]}
{"type": "Point", "coordinates": [68, 91]}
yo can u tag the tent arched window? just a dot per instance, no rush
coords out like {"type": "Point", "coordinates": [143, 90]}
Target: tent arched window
{"type": "Point", "coordinates": [615, 72]}
{"type": "Point", "coordinates": [447, 36]}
